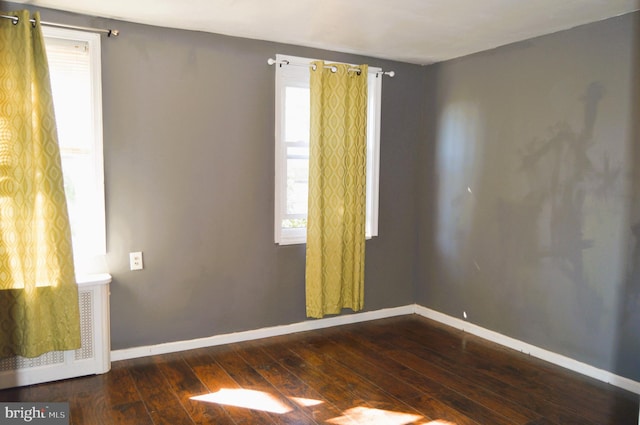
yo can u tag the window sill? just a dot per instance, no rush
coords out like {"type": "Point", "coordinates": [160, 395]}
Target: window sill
{"type": "Point", "coordinates": [93, 279]}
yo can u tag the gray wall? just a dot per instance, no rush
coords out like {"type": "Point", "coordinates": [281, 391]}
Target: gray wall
{"type": "Point", "coordinates": [516, 166]}
{"type": "Point", "coordinates": [529, 206]}
{"type": "Point", "coordinates": [189, 168]}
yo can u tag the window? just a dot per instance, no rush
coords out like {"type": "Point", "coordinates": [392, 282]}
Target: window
{"type": "Point", "coordinates": [292, 149]}
{"type": "Point", "coordinates": [74, 66]}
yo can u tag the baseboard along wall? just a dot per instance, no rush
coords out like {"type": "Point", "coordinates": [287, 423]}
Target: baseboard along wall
{"type": "Point", "coordinates": [532, 350]}
{"type": "Point", "coordinates": [309, 325]}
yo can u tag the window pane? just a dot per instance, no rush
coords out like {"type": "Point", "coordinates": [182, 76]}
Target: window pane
{"type": "Point", "coordinates": [294, 223]}
{"type": "Point", "coordinates": [297, 156]}
{"type": "Point", "coordinates": [79, 187]}
{"type": "Point", "coordinates": [71, 87]}
{"type": "Point", "coordinates": [301, 152]}
{"type": "Point", "coordinates": [297, 186]}
{"type": "Point", "coordinates": [297, 114]}
{"type": "Point", "coordinates": [77, 113]}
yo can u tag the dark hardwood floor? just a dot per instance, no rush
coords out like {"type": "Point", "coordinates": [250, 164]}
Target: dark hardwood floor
{"type": "Point", "coordinates": [398, 371]}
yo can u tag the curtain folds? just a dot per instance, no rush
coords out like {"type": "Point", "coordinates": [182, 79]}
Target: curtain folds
{"type": "Point", "coordinates": [39, 309]}
{"type": "Point", "coordinates": [337, 190]}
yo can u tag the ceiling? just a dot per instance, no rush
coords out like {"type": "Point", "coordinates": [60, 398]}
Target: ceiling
{"type": "Point", "coordinates": [415, 31]}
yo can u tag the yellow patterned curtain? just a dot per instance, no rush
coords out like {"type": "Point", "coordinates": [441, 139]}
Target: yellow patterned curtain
{"type": "Point", "coordinates": [38, 295]}
{"type": "Point", "coordinates": [337, 189]}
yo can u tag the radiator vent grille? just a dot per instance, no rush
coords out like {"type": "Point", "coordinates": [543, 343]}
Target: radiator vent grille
{"type": "Point", "coordinates": [57, 357]}
{"type": "Point", "coordinates": [86, 327]}
{"type": "Point", "coordinates": [19, 362]}
{"type": "Point", "coordinates": [91, 358]}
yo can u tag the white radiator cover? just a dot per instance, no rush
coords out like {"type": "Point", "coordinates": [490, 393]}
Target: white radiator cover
{"type": "Point", "coordinates": [93, 357]}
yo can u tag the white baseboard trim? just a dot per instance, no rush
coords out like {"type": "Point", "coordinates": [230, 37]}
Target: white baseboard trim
{"type": "Point", "coordinates": [541, 353]}
{"type": "Point", "coordinates": [307, 325]}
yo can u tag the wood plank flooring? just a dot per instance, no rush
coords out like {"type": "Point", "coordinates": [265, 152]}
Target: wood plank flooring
{"type": "Point", "coordinates": [398, 371]}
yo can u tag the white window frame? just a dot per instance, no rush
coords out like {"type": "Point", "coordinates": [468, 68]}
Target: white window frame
{"type": "Point", "coordinates": [90, 260]}
{"type": "Point", "coordinates": [294, 71]}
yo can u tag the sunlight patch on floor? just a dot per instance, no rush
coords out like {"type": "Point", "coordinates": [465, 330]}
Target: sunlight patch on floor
{"type": "Point", "coordinates": [249, 399]}
{"type": "Point", "coordinates": [370, 416]}
{"type": "Point", "coordinates": [263, 401]}
{"type": "Point", "coordinates": [305, 402]}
